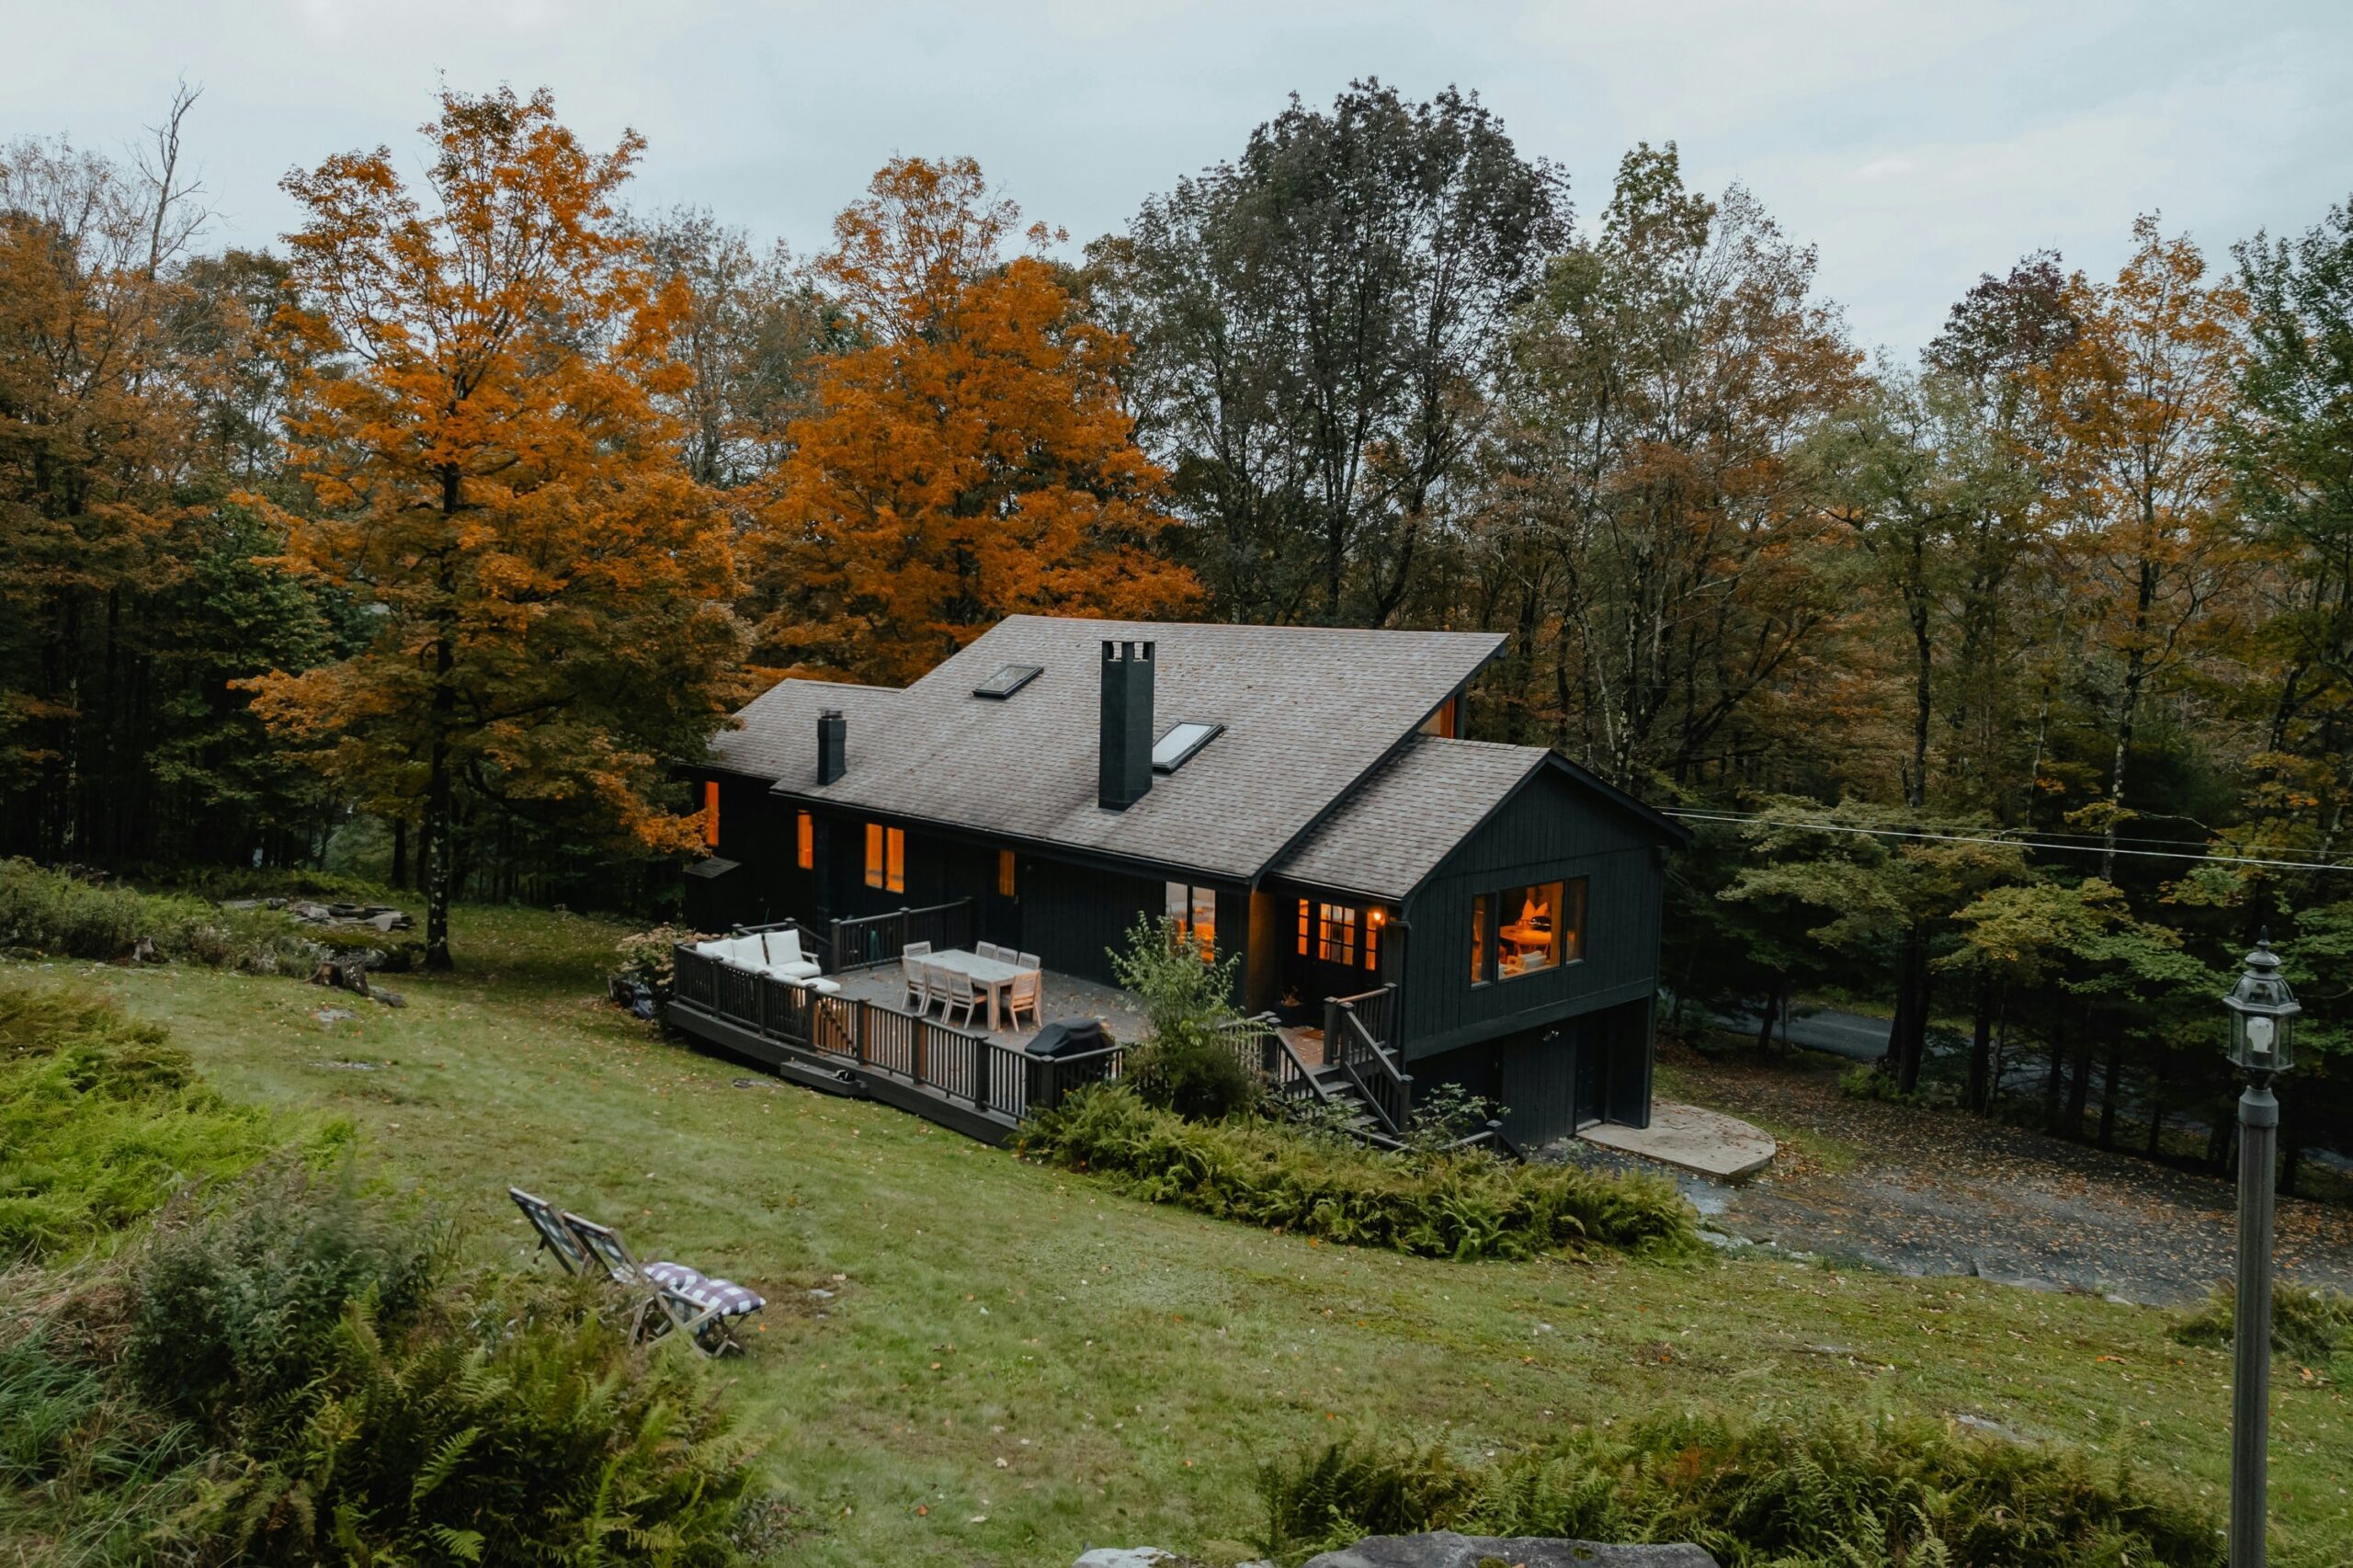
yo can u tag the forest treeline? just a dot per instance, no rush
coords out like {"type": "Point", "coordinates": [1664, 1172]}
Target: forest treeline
{"type": "Point", "coordinates": [2013, 684]}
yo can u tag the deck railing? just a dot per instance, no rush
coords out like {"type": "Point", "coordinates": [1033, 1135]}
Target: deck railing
{"type": "Point", "coordinates": [866, 941]}
{"type": "Point", "coordinates": [1359, 1050]}
{"type": "Point", "coordinates": [953, 1064]}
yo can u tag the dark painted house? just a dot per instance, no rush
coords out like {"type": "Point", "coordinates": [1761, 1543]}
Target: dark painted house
{"type": "Point", "coordinates": [1295, 796]}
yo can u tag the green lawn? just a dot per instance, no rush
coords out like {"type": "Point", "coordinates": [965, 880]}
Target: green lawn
{"type": "Point", "coordinates": [1014, 1363]}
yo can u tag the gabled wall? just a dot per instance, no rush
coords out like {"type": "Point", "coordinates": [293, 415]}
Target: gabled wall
{"type": "Point", "coordinates": [1549, 829]}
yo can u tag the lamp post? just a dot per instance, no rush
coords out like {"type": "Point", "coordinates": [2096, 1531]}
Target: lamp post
{"type": "Point", "coordinates": [2263, 1013]}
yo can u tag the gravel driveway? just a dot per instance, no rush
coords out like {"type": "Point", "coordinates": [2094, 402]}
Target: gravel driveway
{"type": "Point", "coordinates": [1942, 1192]}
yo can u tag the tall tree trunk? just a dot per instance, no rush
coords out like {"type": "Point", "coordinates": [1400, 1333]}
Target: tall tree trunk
{"type": "Point", "coordinates": [2113, 1070]}
{"type": "Point", "coordinates": [2055, 1081]}
{"type": "Point", "coordinates": [1910, 1040]}
{"type": "Point", "coordinates": [1773, 1005]}
{"type": "Point", "coordinates": [2157, 1116]}
{"type": "Point", "coordinates": [1981, 1050]}
{"type": "Point", "coordinates": [2079, 1085]}
{"type": "Point", "coordinates": [399, 852]}
{"type": "Point", "coordinates": [439, 864]}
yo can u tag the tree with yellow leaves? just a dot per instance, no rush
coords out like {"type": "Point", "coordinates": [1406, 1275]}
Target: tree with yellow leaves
{"type": "Point", "coordinates": [2134, 411]}
{"type": "Point", "coordinates": [972, 459]}
{"type": "Point", "coordinates": [474, 406]}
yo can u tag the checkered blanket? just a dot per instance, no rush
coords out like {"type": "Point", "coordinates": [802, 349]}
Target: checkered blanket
{"type": "Point", "coordinates": [726, 1296]}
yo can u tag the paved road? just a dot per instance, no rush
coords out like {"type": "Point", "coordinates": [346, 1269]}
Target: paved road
{"type": "Point", "coordinates": [1854, 1036]}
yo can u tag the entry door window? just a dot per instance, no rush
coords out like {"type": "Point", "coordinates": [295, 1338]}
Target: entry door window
{"type": "Point", "coordinates": [1339, 934]}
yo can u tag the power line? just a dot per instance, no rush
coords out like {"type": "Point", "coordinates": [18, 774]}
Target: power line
{"type": "Point", "coordinates": [1752, 821]}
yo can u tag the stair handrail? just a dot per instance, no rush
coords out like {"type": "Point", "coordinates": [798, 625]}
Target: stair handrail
{"type": "Point", "coordinates": [1388, 1090]}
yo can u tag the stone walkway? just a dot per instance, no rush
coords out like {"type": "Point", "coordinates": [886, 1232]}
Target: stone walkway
{"type": "Point", "coordinates": [1690, 1138]}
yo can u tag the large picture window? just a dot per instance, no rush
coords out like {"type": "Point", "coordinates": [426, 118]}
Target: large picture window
{"type": "Point", "coordinates": [711, 813]}
{"type": "Point", "coordinates": [886, 857]}
{"type": "Point", "coordinates": [1535, 928]}
{"type": "Point", "coordinates": [804, 841]}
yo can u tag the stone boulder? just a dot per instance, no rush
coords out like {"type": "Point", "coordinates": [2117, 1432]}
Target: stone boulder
{"type": "Point", "coordinates": [1445, 1549]}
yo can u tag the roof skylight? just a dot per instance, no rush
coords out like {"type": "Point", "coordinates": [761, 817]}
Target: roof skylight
{"type": "Point", "coordinates": [1174, 749]}
{"type": "Point", "coordinates": [1008, 679]}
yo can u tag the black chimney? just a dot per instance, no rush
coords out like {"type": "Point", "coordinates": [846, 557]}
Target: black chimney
{"type": "Point", "coordinates": [832, 744]}
{"type": "Point", "coordinates": [1123, 773]}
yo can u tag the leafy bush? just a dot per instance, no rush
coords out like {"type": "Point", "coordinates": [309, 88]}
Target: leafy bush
{"type": "Point", "coordinates": [1463, 1206]}
{"type": "Point", "coordinates": [49, 912]}
{"type": "Point", "coordinates": [296, 1378]}
{"type": "Point", "coordinates": [1188, 1063]}
{"type": "Point", "coordinates": [2308, 1325]}
{"type": "Point", "coordinates": [1867, 1082]}
{"type": "Point", "coordinates": [234, 1311]}
{"type": "Point", "coordinates": [102, 1119]}
{"type": "Point", "coordinates": [1833, 1491]}
{"type": "Point", "coordinates": [651, 957]}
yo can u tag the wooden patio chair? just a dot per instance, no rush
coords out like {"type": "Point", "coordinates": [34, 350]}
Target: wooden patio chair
{"type": "Point", "coordinates": [1028, 960]}
{"type": "Point", "coordinates": [556, 1237]}
{"type": "Point", "coordinates": [1023, 996]}
{"type": "Point", "coordinates": [989, 950]}
{"type": "Point", "coordinates": [959, 991]}
{"type": "Point", "coordinates": [673, 1296]}
{"type": "Point", "coordinates": [914, 973]}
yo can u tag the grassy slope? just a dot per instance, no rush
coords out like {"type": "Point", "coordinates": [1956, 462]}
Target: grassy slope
{"type": "Point", "coordinates": [1013, 1342]}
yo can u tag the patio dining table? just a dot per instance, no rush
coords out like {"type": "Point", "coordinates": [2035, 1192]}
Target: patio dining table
{"type": "Point", "coordinates": [992, 975]}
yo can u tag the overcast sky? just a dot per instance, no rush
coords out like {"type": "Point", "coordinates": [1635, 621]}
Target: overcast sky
{"type": "Point", "coordinates": [1916, 145]}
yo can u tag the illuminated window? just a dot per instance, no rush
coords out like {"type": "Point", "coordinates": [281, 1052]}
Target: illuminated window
{"type": "Point", "coordinates": [1373, 921]}
{"type": "Point", "coordinates": [1191, 914]}
{"type": "Point", "coordinates": [804, 841]}
{"type": "Point", "coordinates": [1538, 927]}
{"type": "Point", "coordinates": [886, 857]}
{"type": "Point", "coordinates": [1005, 873]}
{"type": "Point", "coordinates": [1447, 721]}
{"type": "Point", "coordinates": [711, 812]}
{"type": "Point", "coordinates": [1303, 927]}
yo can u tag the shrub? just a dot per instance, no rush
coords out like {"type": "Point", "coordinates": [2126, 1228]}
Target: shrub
{"type": "Point", "coordinates": [1465, 1205]}
{"type": "Point", "coordinates": [651, 957]}
{"type": "Point", "coordinates": [1828, 1492]}
{"type": "Point", "coordinates": [296, 1377]}
{"type": "Point", "coordinates": [50, 912]}
{"type": "Point", "coordinates": [235, 1312]}
{"type": "Point", "coordinates": [1868, 1081]}
{"type": "Point", "coordinates": [102, 1119]}
{"type": "Point", "coordinates": [1200, 1080]}
{"type": "Point", "coordinates": [2308, 1325]}
{"type": "Point", "coordinates": [1187, 1064]}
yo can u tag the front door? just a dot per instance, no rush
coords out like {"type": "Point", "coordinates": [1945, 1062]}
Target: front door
{"type": "Point", "coordinates": [1333, 950]}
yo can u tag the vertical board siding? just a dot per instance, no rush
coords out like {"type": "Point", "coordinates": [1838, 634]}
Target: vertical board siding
{"type": "Point", "coordinates": [1547, 831]}
{"type": "Point", "coordinates": [1074, 915]}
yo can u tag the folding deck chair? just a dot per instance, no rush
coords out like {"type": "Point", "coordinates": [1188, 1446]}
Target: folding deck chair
{"type": "Point", "coordinates": [556, 1237]}
{"type": "Point", "coordinates": [698, 1306]}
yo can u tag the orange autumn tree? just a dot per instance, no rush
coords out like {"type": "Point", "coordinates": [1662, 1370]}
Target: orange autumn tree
{"type": "Point", "coordinates": [971, 460]}
{"type": "Point", "coordinates": [498, 492]}
{"type": "Point", "coordinates": [2134, 413]}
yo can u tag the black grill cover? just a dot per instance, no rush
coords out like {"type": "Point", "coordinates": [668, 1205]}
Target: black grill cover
{"type": "Point", "coordinates": [1069, 1037]}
